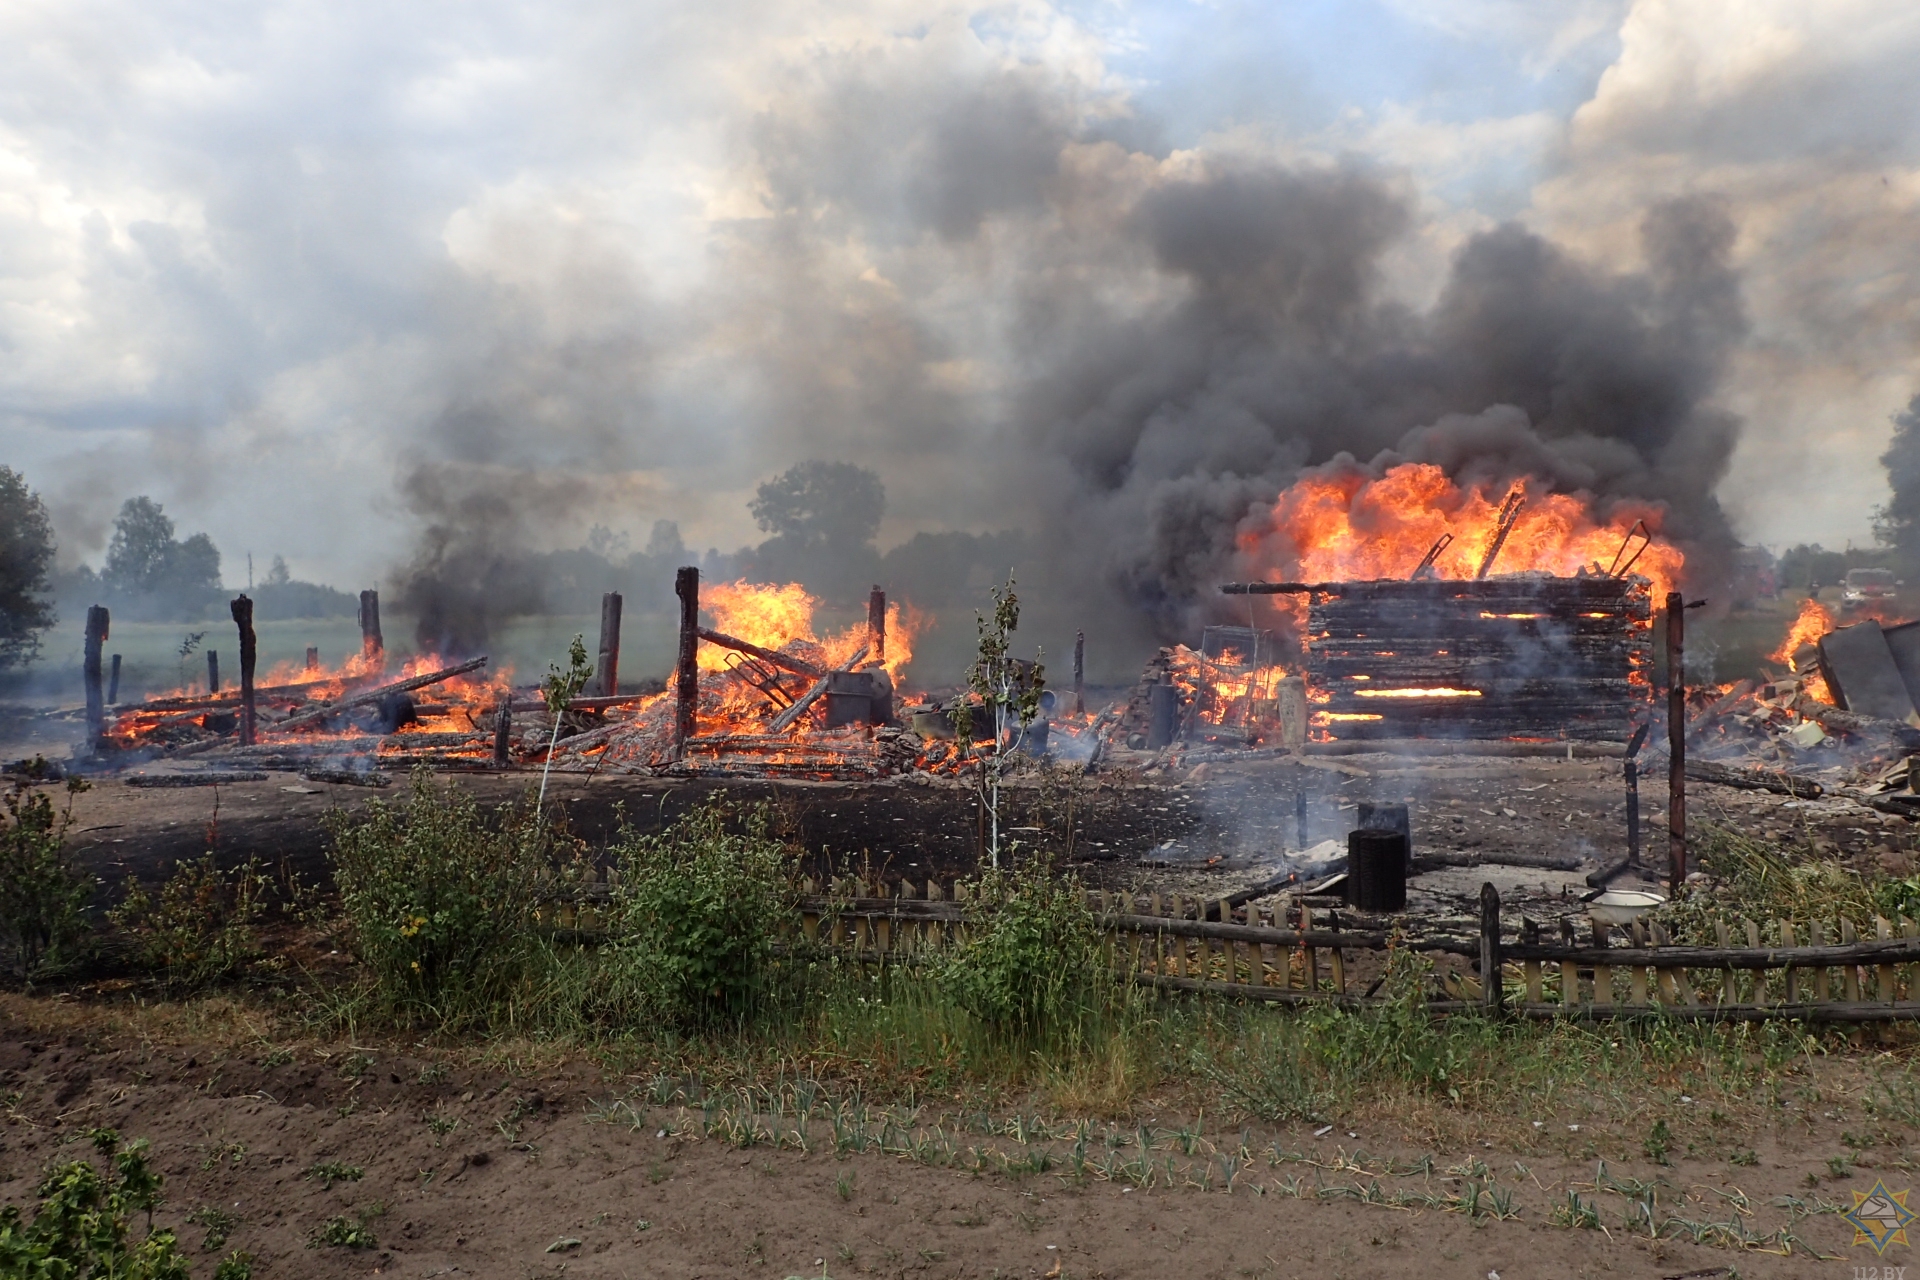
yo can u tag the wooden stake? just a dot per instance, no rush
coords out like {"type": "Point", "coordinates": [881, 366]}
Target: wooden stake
{"type": "Point", "coordinates": [90, 671]}
{"type": "Point", "coordinates": [877, 623]}
{"type": "Point", "coordinates": [686, 585]}
{"type": "Point", "coordinates": [607, 663]}
{"type": "Point", "coordinates": [1079, 673]}
{"type": "Point", "coordinates": [1676, 744]}
{"type": "Point", "coordinates": [1491, 994]}
{"type": "Point", "coordinates": [313, 658]}
{"type": "Point", "coordinates": [372, 646]}
{"type": "Point", "coordinates": [113, 682]}
{"type": "Point", "coordinates": [242, 610]}
{"type": "Point", "coordinates": [503, 732]}
{"type": "Point", "coordinates": [213, 671]}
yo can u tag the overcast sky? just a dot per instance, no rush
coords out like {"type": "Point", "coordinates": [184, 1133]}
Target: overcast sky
{"type": "Point", "coordinates": [266, 262]}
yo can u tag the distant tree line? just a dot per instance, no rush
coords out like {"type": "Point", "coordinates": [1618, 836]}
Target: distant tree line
{"type": "Point", "coordinates": [822, 520]}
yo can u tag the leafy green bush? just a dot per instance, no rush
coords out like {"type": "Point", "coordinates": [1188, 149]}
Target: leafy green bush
{"type": "Point", "coordinates": [440, 898]}
{"type": "Point", "coordinates": [81, 1229]}
{"type": "Point", "coordinates": [695, 917]}
{"type": "Point", "coordinates": [43, 892]}
{"type": "Point", "coordinates": [200, 928]}
{"type": "Point", "coordinates": [1034, 964]}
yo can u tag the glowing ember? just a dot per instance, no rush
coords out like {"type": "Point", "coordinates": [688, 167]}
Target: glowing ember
{"type": "Point", "coordinates": [1417, 693]}
{"type": "Point", "coordinates": [1348, 527]}
{"type": "Point", "coordinates": [289, 691]}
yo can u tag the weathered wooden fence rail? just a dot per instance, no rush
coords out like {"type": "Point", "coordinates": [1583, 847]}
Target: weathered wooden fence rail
{"type": "Point", "coordinates": [1291, 951]}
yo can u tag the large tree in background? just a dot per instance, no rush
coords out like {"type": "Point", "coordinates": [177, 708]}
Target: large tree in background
{"type": "Point", "coordinates": [26, 565]}
{"type": "Point", "coordinates": [821, 505]}
{"type": "Point", "coordinates": [823, 518]}
{"type": "Point", "coordinates": [144, 560]}
{"type": "Point", "coordinates": [1898, 523]}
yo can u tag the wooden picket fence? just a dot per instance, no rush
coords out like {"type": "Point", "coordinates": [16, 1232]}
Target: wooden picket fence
{"type": "Point", "coordinates": [1295, 951]}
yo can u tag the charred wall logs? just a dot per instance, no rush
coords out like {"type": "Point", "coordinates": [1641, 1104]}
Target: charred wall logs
{"type": "Point", "coordinates": [1521, 655]}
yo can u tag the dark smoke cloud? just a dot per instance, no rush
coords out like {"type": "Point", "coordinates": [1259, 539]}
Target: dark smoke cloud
{"type": "Point", "coordinates": [1284, 352]}
{"type": "Point", "coordinates": [1256, 337]}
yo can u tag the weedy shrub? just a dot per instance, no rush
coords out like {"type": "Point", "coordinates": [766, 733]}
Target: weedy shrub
{"type": "Point", "coordinates": [439, 898]}
{"type": "Point", "coordinates": [200, 926]}
{"type": "Point", "coordinates": [1308, 1065]}
{"type": "Point", "coordinates": [1034, 966]}
{"type": "Point", "coordinates": [43, 892]}
{"type": "Point", "coordinates": [695, 917]}
{"type": "Point", "coordinates": [1767, 881]}
{"type": "Point", "coordinates": [82, 1225]}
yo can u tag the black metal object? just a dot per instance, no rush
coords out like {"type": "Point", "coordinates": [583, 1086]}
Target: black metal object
{"type": "Point", "coordinates": [1376, 870]}
{"type": "Point", "coordinates": [1163, 715]}
{"type": "Point", "coordinates": [858, 697]}
{"type": "Point", "coordinates": [1424, 570]}
{"type": "Point", "coordinates": [1382, 816]}
{"type": "Point", "coordinates": [1509, 516]}
{"type": "Point", "coordinates": [761, 676]}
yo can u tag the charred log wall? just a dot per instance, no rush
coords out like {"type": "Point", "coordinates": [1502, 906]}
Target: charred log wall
{"type": "Point", "coordinates": [1521, 655]}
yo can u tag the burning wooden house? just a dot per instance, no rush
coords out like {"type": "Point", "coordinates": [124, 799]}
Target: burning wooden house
{"type": "Point", "coordinates": [1515, 656]}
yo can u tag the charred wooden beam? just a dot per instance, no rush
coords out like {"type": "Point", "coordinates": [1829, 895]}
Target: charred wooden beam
{"type": "Point", "coordinates": [374, 695]}
{"type": "Point", "coordinates": [242, 609]}
{"type": "Point", "coordinates": [1079, 673]}
{"type": "Point", "coordinates": [1676, 743]}
{"type": "Point", "coordinates": [213, 671]}
{"type": "Point", "coordinates": [786, 661]}
{"type": "Point", "coordinates": [113, 682]}
{"type": "Point", "coordinates": [96, 636]}
{"type": "Point", "coordinates": [877, 623]}
{"type": "Point", "coordinates": [686, 585]}
{"type": "Point", "coordinates": [372, 644]}
{"type": "Point", "coordinates": [606, 676]}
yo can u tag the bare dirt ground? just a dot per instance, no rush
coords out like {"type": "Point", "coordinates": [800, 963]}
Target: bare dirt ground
{"type": "Point", "coordinates": [489, 1172]}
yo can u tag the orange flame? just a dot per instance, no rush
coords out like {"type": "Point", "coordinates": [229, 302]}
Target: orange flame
{"type": "Point", "coordinates": [1347, 526]}
{"type": "Point", "coordinates": [782, 617]}
{"type": "Point", "coordinates": [289, 687]}
{"type": "Point", "coordinates": [1814, 621]}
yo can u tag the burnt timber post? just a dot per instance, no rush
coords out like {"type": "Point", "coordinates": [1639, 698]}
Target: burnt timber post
{"type": "Point", "coordinates": [1676, 743]}
{"type": "Point", "coordinates": [877, 624]}
{"type": "Point", "coordinates": [242, 610]}
{"type": "Point", "coordinates": [686, 585]}
{"type": "Point", "coordinates": [213, 671]}
{"type": "Point", "coordinates": [607, 664]}
{"type": "Point", "coordinates": [503, 731]}
{"type": "Point", "coordinates": [113, 682]}
{"type": "Point", "coordinates": [90, 671]}
{"type": "Point", "coordinates": [371, 644]}
{"type": "Point", "coordinates": [313, 658]}
{"type": "Point", "coordinates": [1079, 673]}
{"type": "Point", "coordinates": [1492, 994]}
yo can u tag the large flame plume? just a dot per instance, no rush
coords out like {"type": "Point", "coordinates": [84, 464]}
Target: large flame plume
{"type": "Point", "coordinates": [1353, 527]}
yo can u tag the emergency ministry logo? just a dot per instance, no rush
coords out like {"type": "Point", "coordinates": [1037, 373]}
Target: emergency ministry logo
{"type": "Point", "coordinates": [1880, 1217]}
